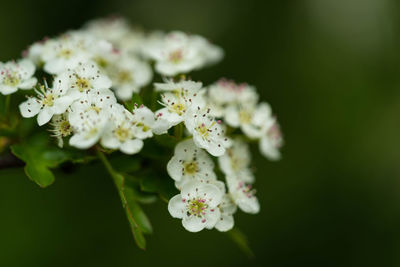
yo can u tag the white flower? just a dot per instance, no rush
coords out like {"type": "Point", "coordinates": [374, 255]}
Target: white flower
{"type": "Point", "coordinates": [64, 53]}
{"type": "Point", "coordinates": [16, 75]}
{"type": "Point", "coordinates": [112, 29]}
{"type": "Point", "coordinates": [210, 53]}
{"type": "Point", "coordinates": [228, 93]}
{"type": "Point", "coordinates": [61, 128]}
{"type": "Point", "coordinates": [144, 121]}
{"type": "Point", "coordinates": [227, 209]}
{"type": "Point", "coordinates": [84, 78]}
{"type": "Point", "coordinates": [122, 132]}
{"type": "Point", "coordinates": [88, 131]}
{"type": "Point", "coordinates": [243, 195]}
{"type": "Point", "coordinates": [207, 132]}
{"type": "Point", "coordinates": [236, 161]}
{"type": "Point", "coordinates": [190, 162]}
{"type": "Point", "coordinates": [196, 205]}
{"type": "Point", "coordinates": [177, 87]}
{"type": "Point", "coordinates": [178, 99]}
{"type": "Point", "coordinates": [92, 102]}
{"type": "Point", "coordinates": [129, 75]}
{"type": "Point", "coordinates": [49, 102]}
{"type": "Point", "coordinates": [117, 31]}
{"type": "Point", "coordinates": [252, 119]}
{"type": "Point", "coordinates": [178, 53]}
{"type": "Point", "coordinates": [271, 142]}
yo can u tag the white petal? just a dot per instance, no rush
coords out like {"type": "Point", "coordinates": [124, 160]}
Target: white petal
{"type": "Point", "coordinates": [108, 140]}
{"type": "Point", "coordinates": [28, 84]}
{"type": "Point", "coordinates": [212, 217]}
{"type": "Point", "coordinates": [29, 108]}
{"type": "Point", "coordinates": [176, 207]}
{"type": "Point", "coordinates": [174, 168]}
{"type": "Point", "coordinates": [102, 82]}
{"type": "Point", "coordinates": [193, 223]}
{"type": "Point", "coordinates": [82, 142]}
{"type": "Point", "coordinates": [249, 205]}
{"type": "Point", "coordinates": [7, 90]}
{"type": "Point", "coordinates": [61, 104]}
{"type": "Point", "coordinates": [132, 146]}
{"type": "Point", "coordinates": [225, 223]}
{"type": "Point", "coordinates": [268, 150]}
{"type": "Point", "coordinates": [45, 115]}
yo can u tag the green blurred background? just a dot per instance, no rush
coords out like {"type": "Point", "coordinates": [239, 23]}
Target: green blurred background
{"type": "Point", "coordinates": [329, 68]}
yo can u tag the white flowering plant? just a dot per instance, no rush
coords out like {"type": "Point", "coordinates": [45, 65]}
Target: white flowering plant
{"type": "Point", "coordinates": [114, 94]}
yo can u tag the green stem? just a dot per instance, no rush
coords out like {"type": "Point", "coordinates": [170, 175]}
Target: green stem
{"type": "Point", "coordinates": [241, 241]}
{"type": "Point", "coordinates": [108, 167]}
{"type": "Point", "coordinates": [178, 131]}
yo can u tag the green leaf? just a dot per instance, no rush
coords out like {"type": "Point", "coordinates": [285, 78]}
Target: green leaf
{"type": "Point", "coordinates": [123, 163]}
{"type": "Point", "coordinates": [138, 221]}
{"type": "Point", "coordinates": [40, 156]}
{"type": "Point", "coordinates": [162, 185]}
{"type": "Point", "coordinates": [241, 241]}
{"type": "Point", "coordinates": [137, 213]}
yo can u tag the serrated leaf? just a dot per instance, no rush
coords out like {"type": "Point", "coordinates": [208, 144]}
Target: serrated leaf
{"type": "Point", "coordinates": [138, 221]}
{"type": "Point", "coordinates": [40, 156]}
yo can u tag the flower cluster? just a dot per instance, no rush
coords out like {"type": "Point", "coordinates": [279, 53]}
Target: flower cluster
{"type": "Point", "coordinates": [96, 72]}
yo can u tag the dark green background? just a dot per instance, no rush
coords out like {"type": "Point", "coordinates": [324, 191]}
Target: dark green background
{"type": "Point", "coordinates": [330, 69]}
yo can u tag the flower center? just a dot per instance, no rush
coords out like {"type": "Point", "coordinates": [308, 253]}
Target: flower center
{"type": "Point", "coordinates": [125, 77]}
{"type": "Point", "coordinates": [197, 207]}
{"type": "Point", "coordinates": [11, 79]}
{"type": "Point", "coordinates": [176, 56]}
{"type": "Point", "coordinates": [95, 108]}
{"type": "Point", "coordinates": [145, 128]}
{"type": "Point", "coordinates": [65, 53]}
{"type": "Point", "coordinates": [101, 62]}
{"type": "Point", "coordinates": [247, 190]}
{"type": "Point", "coordinates": [178, 108]}
{"type": "Point", "coordinates": [191, 167]}
{"type": "Point", "coordinates": [48, 100]}
{"type": "Point", "coordinates": [82, 84]}
{"type": "Point", "coordinates": [122, 134]}
{"type": "Point", "coordinates": [244, 116]}
{"type": "Point", "coordinates": [93, 132]}
{"type": "Point", "coordinates": [65, 128]}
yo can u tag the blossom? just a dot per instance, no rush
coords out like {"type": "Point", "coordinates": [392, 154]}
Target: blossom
{"type": "Point", "coordinates": [89, 130]}
{"type": "Point", "coordinates": [177, 53]}
{"type": "Point", "coordinates": [122, 133]}
{"type": "Point", "coordinates": [252, 119]}
{"type": "Point", "coordinates": [92, 102]}
{"type": "Point", "coordinates": [178, 100]}
{"type": "Point", "coordinates": [196, 205]}
{"type": "Point", "coordinates": [64, 52]}
{"type": "Point", "coordinates": [144, 121]}
{"type": "Point", "coordinates": [48, 102]}
{"type": "Point", "coordinates": [190, 162]}
{"type": "Point", "coordinates": [117, 31]}
{"type": "Point", "coordinates": [129, 75]}
{"type": "Point", "coordinates": [61, 128]}
{"type": "Point", "coordinates": [16, 75]}
{"type": "Point", "coordinates": [207, 132]}
{"type": "Point", "coordinates": [243, 195]}
{"type": "Point", "coordinates": [84, 78]}
{"type": "Point", "coordinates": [236, 161]}
{"type": "Point", "coordinates": [227, 209]}
{"type": "Point", "coordinates": [271, 142]}
{"type": "Point", "coordinates": [226, 93]}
